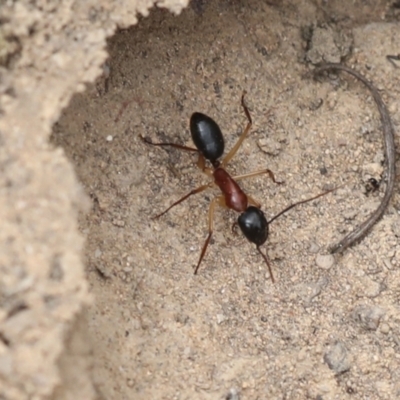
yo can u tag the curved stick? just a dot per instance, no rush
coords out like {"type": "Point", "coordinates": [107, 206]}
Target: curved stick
{"type": "Point", "coordinates": [388, 138]}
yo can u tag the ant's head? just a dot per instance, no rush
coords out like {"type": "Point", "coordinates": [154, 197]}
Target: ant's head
{"type": "Point", "coordinates": [254, 225]}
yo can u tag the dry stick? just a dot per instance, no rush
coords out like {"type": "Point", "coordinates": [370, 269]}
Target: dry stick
{"type": "Point", "coordinates": [388, 139]}
{"type": "Point", "coordinates": [392, 59]}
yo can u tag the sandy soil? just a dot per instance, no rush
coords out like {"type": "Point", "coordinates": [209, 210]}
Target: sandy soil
{"type": "Point", "coordinates": [326, 329]}
{"type": "Point", "coordinates": [329, 328]}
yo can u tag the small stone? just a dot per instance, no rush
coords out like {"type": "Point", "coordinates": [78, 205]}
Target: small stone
{"type": "Point", "coordinates": [103, 200]}
{"type": "Point", "coordinates": [220, 318]}
{"type": "Point", "coordinates": [302, 355]}
{"type": "Point", "coordinates": [322, 46]}
{"type": "Point", "coordinates": [314, 248]}
{"type": "Point", "coordinates": [368, 316]}
{"type": "Point", "coordinates": [97, 253]}
{"type": "Point", "coordinates": [383, 387]}
{"type": "Point", "coordinates": [6, 365]}
{"type": "Point", "coordinates": [233, 394]}
{"type": "Point", "coordinates": [103, 270]}
{"type": "Point", "coordinates": [337, 358]}
{"type": "Point", "coordinates": [385, 328]}
{"type": "Point", "coordinates": [270, 146]}
{"type": "Point", "coordinates": [308, 291]}
{"type": "Point", "coordinates": [350, 214]}
{"type": "Point", "coordinates": [373, 169]}
{"type": "Point", "coordinates": [325, 261]}
{"type": "Point", "coordinates": [396, 227]}
{"type": "Point", "coordinates": [245, 385]}
{"type": "Point", "coordinates": [369, 288]}
{"type": "Point", "coordinates": [109, 138]}
{"type": "Point", "coordinates": [315, 104]}
{"type": "Point", "coordinates": [16, 325]}
{"type": "Point", "coordinates": [332, 103]}
{"type": "Point", "coordinates": [118, 222]}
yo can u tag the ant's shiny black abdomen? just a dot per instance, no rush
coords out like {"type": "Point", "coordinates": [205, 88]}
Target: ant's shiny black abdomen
{"type": "Point", "coordinates": [207, 136]}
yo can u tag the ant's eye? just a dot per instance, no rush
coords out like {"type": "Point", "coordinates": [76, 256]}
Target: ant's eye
{"type": "Point", "coordinates": [254, 225]}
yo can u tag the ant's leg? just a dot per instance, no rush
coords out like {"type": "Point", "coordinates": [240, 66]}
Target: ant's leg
{"type": "Point", "coordinates": [177, 146]}
{"type": "Point", "coordinates": [221, 201]}
{"type": "Point", "coordinates": [256, 173]}
{"type": "Point", "coordinates": [235, 148]}
{"type": "Point", "coordinates": [194, 191]}
{"type": "Point", "coordinates": [253, 202]}
{"type": "Point", "coordinates": [201, 163]}
{"type": "Point", "coordinates": [266, 259]}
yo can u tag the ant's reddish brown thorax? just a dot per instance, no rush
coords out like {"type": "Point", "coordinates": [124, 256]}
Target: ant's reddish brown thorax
{"type": "Point", "coordinates": [235, 198]}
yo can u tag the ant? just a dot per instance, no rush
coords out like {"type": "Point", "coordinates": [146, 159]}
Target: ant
{"type": "Point", "coordinates": [209, 142]}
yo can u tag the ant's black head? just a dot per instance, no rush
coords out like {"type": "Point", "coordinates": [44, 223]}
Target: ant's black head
{"type": "Point", "coordinates": [207, 136]}
{"type": "Point", "coordinates": [254, 225]}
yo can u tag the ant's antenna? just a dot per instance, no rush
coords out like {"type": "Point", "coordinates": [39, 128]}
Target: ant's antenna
{"type": "Point", "coordinates": [300, 202]}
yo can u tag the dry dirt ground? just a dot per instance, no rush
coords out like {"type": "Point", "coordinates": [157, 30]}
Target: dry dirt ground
{"type": "Point", "coordinates": [328, 328]}
{"type": "Point", "coordinates": [324, 330]}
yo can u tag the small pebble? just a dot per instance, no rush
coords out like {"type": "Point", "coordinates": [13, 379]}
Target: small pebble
{"type": "Point", "coordinates": [302, 355]}
{"type": "Point", "coordinates": [220, 318]}
{"type": "Point", "coordinates": [308, 291]}
{"type": "Point", "coordinates": [396, 227]}
{"type": "Point", "coordinates": [97, 253]}
{"type": "Point", "coordinates": [270, 146]}
{"type": "Point", "coordinates": [368, 316]}
{"type": "Point", "coordinates": [314, 248]}
{"type": "Point", "coordinates": [106, 70]}
{"type": "Point", "coordinates": [118, 222]}
{"type": "Point", "coordinates": [332, 103]}
{"type": "Point", "coordinates": [337, 358]}
{"type": "Point", "coordinates": [7, 367]}
{"type": "Point", "coordinates": [109, 138]}
{"type": "Point", "coordinates": [385, 328]}
{"type": "Point", "coordinates": [315, 104]}
{"type": "Point", "coordinates": [369, 287]}
{"type": "Point", "coordinates": [17, 324]}
{"type": "Point", "coordinates": [187, 352]}
{"type": "Point", "coordinates": [232, 395]}
{"type": "Point", "coordinates": [325, 261]}
{"type": "Point", "coordinates": [104, 270]}
{"type": "Point", "coordinates": [350, 214]}
{"type": "Point", "coordinates": [373, 169]}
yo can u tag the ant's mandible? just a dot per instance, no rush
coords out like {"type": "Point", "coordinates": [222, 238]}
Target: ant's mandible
{"type": "Point", "coordinates": [208, 139]}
